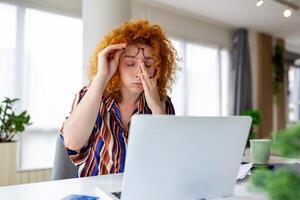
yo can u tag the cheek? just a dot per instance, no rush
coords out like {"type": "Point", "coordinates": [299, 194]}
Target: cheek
{"type": "Point", "coordinates": [126, 74]}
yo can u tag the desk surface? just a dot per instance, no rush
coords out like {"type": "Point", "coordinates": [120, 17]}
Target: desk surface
{"type": "Point", "coordinates": [60, 189]}
{"type": "Point", "coordinates": [89, 186]}
{"type": "Point", "coordinates": [86, 186]}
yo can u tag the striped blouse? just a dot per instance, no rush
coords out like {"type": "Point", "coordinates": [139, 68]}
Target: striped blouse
{"type": "Point", "coordinates": [105, 151]}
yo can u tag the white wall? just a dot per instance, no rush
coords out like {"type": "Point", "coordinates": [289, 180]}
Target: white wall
{"type": "Point", "coordinates": [99, 18]}
{"type": "Point", "coordinates": [292, 47]}
{"type": "Point", "coordinates": [183, 26]}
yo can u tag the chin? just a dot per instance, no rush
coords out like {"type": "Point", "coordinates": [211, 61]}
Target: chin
{"type": "Point", "coordinates": [136, 90]}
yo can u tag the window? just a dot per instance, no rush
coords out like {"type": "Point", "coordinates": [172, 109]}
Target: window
{"type": "Point", "coordinates": [294, 94]}
{"type": "Point", "coordinates": [7, 50]}
{"type": "Point", "coordinates": [203, 76]}
{"type": "Point", "coordinates": [202, 85]}
{"type": "Point", "coordinates": [40, 63]}
{"type": "Point", "coordinates": [53, 50]}
{"type": "Point", "coordinates": [178, 90]}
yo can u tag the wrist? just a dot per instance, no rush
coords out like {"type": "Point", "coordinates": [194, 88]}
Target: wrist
{"type": "Point", "coordinates": [158, 110]}
{"type": "Point", "coordinates": [100, 78]}
{"type": "Point", "coordinates": [99, 83]}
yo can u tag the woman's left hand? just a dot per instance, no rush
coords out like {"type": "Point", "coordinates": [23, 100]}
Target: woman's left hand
{"type": "Point", "coordinates": [151, 91]}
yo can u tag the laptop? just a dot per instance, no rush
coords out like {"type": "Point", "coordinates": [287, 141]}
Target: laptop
{"type": "Point", "coordinates": [179, 157]}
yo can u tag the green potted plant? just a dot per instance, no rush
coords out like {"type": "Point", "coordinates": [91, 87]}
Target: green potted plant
{"type": "Point", "coordinates": [256, 120]}
{"type": "Point", "coordinates": [283, 183]}
{"type": "Point", "coordinates": [10, 124]}
{"type": "Point", "coordinates": [278, 71]}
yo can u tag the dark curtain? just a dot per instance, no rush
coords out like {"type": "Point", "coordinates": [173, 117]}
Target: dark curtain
{"type": "Point", "coordinates": [242, 72]}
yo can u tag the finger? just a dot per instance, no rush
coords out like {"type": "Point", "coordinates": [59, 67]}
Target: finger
{"type": "Point", "coordinates": [154, 80]}
{"type": "Point", "coordinates": [145, 74]}
{"type": "Point", "coordinates": [113, 47]}
{"type": "Point", "coordinates": [117, 56]}
{"type": "Point", "coordinates": [144, 83]}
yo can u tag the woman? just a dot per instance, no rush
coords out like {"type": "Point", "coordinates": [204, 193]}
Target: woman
{"type": "Point", "coordinates": [130, 72]}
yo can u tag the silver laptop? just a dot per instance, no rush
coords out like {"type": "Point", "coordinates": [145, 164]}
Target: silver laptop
{"type": "Point", "coordinates": [172, 157]}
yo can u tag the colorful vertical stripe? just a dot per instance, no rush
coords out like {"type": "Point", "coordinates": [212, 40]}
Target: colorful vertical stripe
{"type": "Point", "coordinates": [106, 149]}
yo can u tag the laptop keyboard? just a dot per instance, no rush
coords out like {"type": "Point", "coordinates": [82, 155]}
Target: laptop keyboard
{"type": "Point", "coordinates": [117, 194]}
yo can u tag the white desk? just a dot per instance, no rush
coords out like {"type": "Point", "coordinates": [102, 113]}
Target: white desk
{"type": "Point", "coordinates": [53, 190]}
{"type": "Point", "coordinates": [273, 158]}
{"type": "Point", "coordinates": [59, 189]}
{"type": "Point", "coordinates": [84, 186]}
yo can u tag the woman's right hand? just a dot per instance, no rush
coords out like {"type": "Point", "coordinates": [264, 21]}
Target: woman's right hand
{"type": "Point", "coordinates": [108, 60]}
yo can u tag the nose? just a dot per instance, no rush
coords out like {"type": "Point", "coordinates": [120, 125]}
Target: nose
{"type": "Point", "coordinates": [138, 69]}
{"type": "Point", "coordinates": [137, 75]}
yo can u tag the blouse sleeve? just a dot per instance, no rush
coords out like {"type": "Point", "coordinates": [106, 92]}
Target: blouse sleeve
{"type": "Point", "coordinates": [169, 108]}
{"type": "Point", "coordinates": [79, 156]}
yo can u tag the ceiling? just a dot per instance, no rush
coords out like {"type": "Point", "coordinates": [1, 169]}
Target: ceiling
{"type": "Point", "coordinates": [243, 13]}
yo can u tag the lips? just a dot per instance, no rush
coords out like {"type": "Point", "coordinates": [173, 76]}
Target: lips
{"type": "Point", "coordinates": [138, 84]}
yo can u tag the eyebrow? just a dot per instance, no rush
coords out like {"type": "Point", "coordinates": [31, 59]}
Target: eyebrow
{"type": "Point", "coordinates": [147, 58]}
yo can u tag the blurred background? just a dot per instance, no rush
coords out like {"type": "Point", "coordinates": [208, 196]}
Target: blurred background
{"type": "Point", "coordinates": [227, 51]}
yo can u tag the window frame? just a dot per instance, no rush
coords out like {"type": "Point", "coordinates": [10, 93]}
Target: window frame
{"type": "Point", "coordinates": [19, 65]}
{"type": "Point", "coordinates": [183, 43]}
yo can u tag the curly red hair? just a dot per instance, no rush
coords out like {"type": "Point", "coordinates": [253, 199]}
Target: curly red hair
{"type": "Point", "coordinates": [140, 31]}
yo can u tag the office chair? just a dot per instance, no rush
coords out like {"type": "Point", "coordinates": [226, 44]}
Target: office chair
{"type": "Point", "coordinates": [63, 168]}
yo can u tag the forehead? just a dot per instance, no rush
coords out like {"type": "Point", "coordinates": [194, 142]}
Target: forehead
{"type": "Point", "coordinates": [140, 45]}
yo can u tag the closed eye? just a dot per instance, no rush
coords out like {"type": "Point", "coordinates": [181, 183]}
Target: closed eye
{"type": "Point", "coordinates": [149, 63]}
{"type": "Point", "coordinates": [131, 64]}
{"type": "Point", "coordinates": [148, 66]}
